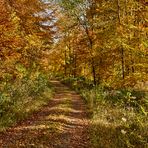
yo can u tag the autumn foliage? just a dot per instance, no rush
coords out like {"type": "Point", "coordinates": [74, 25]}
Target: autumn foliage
{"type": "Point", "coordinates": [24, 42]}
{"type": "Point", "coordinates": [97, 47]}
{"type": "Point", "coordinates": [104, 41]}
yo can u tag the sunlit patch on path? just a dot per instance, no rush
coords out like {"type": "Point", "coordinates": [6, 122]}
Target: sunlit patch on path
{"type": "Point", "coordinates": [63, 123]}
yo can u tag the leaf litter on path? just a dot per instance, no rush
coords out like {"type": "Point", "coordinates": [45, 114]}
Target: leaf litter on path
{"type": "Point", "coordinates": [63, 123]}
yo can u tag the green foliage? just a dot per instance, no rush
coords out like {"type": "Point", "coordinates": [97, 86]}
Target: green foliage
{"type": "Point", "coordinates": [23, 96]}
{"type": "Point", "coordinates": [126, 116]}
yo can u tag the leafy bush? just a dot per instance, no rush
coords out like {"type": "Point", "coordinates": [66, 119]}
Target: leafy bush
{"type": "Point", "coordinates": [15, 97]}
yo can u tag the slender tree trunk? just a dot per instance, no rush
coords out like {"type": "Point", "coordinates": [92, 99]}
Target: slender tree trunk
{"type": "Point", "coordinates": [90, 47]}
{"type": "Point", "coordinates": [75, 64]}
{"type": "Point", "coordinates": [121, 48]}
{"type": "Point", "coordinates": [94, 72]}
{"type": "Point", "coordinates": [122, 61]}
{"type": "Point", "coordinates": [65, 67]}
{"type": "Point", "coordinates": [92, 62]}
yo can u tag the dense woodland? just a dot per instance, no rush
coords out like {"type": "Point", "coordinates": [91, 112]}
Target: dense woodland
{"type": "Point", "coordinates": [104, 41]}
{"type": "Point", "coordinates": [97, 47]}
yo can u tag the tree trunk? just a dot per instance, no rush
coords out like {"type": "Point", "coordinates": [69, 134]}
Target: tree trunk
{"type": "Point", "coordinates": [122, 50]}
{"type": "Point", "coordinates": [122, 61]}
{"type": "Point", "coordinates": [94, 72]}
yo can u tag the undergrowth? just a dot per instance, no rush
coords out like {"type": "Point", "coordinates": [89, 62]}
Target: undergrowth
{"type": "Point", "coordinates": [119, 116]}
{"type": "Point", "coordinates": [22, 97]}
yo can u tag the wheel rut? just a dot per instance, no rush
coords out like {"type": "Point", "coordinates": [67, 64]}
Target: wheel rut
{"type": "Point", "coordinates": [63, 123]}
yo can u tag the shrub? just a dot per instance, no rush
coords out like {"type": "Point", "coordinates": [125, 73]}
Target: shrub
{"type": "Point", "coordinates": [15, 96]}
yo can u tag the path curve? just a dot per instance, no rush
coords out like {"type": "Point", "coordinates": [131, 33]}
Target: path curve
{"type": "Point", "coordinates": [63, 123]}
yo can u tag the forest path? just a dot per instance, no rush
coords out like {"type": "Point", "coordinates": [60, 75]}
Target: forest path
{"type": "Point", "coordinates": [63, 123]}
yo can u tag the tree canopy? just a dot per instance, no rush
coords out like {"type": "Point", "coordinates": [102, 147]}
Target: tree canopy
{"type": "Point", "coordinates": [105, 41]}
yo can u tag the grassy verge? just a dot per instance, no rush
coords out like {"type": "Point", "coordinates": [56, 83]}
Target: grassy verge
{"type": "Point", "coordinates": [119, 116]}
{"type": "Point", "coordinates": [18, 100]}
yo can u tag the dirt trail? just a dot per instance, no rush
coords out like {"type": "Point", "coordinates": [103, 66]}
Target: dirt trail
{"type": "Point", "coordinates": [63, 123]}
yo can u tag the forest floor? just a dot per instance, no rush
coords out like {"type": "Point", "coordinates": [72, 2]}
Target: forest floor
{"type": "Point", "coordinates": [63, 123]}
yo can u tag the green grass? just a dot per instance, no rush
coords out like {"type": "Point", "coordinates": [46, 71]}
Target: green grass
{"type": "Point", "coordinates": [115, 126]}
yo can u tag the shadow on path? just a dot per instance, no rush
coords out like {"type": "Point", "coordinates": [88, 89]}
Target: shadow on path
{"type": "Point", "coordinates": [63, 123]}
